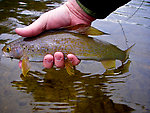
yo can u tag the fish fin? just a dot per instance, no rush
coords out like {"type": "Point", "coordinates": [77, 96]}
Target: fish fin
{"type": "Point", "coordinates": [125, 67]}
{"type": "Point", "coordinates": [109, 64]}
{"type": "Point", "coordinates": [69, 67]}
{"type": "Point", "coordinates": [128, 52]}
{"type": "Point", "coordinates": [25, 65]}
{"type": "Point", "coordinates": [94, 32]}
{"type": "Point", "coordinates": [109, 72]}
{"type": "Point", "coordinates": [76, 27]}
{"type": "Point", "coordinates": [85, 29]}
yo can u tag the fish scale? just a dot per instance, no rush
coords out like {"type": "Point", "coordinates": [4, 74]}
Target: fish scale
{"type": "Point", "coordinates": [49, 42]}
{"type": "Point", "coordinates": [82, 46]}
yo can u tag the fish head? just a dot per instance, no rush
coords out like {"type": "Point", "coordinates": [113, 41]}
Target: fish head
{"type": "Point", "coordinates": [11, 51]}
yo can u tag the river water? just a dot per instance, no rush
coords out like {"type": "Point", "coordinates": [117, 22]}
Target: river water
{"type": "Point", "coordinates": [90, 90]}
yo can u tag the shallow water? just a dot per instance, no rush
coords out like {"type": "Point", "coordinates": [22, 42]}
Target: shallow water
{"type": "Point", "coordinates": [90, 90]}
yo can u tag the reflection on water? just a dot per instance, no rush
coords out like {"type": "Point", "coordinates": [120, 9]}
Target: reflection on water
{"type": "Point", "coordinates": [15, 13]}
{"type": "Point", "coordinates": [89, 91]}
{"type": "Point", "coordinates": [56, 91]}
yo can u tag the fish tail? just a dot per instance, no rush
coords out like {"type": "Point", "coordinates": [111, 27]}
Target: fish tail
{"type": "Point", "coordinates": [128, 52]}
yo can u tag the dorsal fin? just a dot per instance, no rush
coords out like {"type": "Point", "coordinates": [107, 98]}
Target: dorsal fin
{"type": "Point", "coordinates": [84, 29]}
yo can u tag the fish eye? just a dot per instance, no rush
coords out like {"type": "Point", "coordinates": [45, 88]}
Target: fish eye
{"type": "Point", "coordinates": [8, 49]}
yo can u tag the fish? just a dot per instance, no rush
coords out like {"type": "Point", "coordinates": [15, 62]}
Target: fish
{"type": "Point", "coordinates": [75, 40]}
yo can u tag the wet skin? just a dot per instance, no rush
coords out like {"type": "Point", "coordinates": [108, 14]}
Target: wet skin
{"type": "Point", "coordinates": [56, 18]}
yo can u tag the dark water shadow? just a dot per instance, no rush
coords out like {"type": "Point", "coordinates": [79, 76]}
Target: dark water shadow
{"type": "Point", "coordinates": [56, 91]}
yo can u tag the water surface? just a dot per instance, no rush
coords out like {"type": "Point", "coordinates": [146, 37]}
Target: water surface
{"type": "Point", "coordinates": [90, 90]}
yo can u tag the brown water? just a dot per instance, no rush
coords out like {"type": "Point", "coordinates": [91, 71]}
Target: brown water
{"type": "Point", "coordinates": [89, 91]}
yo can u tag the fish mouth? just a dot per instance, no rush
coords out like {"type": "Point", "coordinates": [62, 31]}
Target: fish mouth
{"type": "Point", "coordinates": [6, 54]}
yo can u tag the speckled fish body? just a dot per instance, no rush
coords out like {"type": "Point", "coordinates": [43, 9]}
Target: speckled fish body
{"type": "Point", "coordinates": [82, 46]}
{"type": "Point", "coordinates": [49, 42]}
